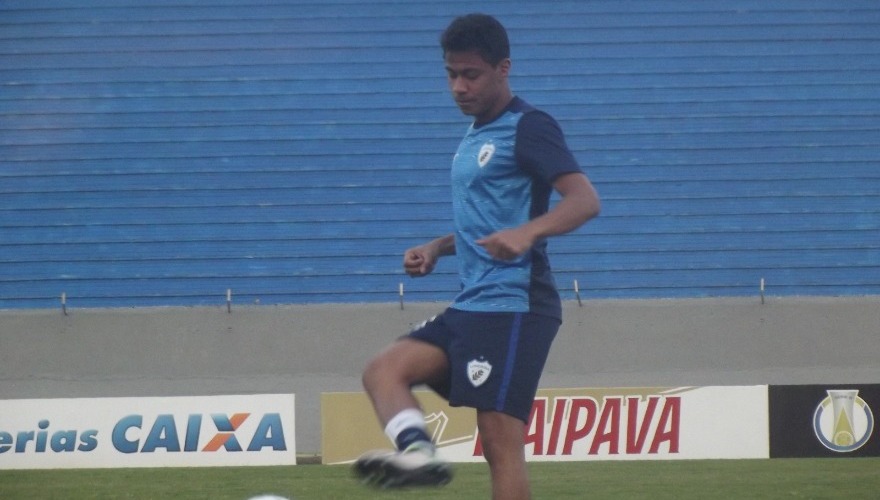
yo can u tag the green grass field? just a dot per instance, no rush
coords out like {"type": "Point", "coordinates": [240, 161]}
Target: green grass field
{"type": "Point", "coordinates": [846, 478]}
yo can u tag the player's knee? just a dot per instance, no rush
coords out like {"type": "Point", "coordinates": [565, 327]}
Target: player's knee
{"type": "Point", "coordinates": [372, 374]}
{"type": "Point", "coordinates": [501, 436]}
{"type": "Point", "coordinates": [379, 372]}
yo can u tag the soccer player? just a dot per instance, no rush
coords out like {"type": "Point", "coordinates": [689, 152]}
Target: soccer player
{"type": "Point", "coordinates": [488, 349]}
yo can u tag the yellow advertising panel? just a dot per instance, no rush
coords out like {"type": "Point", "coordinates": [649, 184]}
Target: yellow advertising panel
{"type": "Point", "coordinates": [349, 426]}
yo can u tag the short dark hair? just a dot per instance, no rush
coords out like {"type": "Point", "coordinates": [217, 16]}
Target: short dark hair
{"type": "Point", "coordinates": [479, 33]}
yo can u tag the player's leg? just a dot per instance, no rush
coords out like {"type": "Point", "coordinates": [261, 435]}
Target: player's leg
{"type": "Point", "coordinates": [503, 443]}
{"type": "Point", "coordinates": [388, 380]}
{"type": "Point", "coordinates": [389, 377]}
{"type": "Point", "coordinates": [508, 353]}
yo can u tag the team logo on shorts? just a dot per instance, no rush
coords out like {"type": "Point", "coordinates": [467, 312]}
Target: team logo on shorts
{"type": "Point", "coordinates": [486, 153]}
{"type": "Point", "coordinates": [478, 372]}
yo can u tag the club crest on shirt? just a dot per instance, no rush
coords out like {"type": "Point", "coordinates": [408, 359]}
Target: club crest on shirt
{"type": "Point", "coordinates": [478, 372]}
{"type": "Point", "coordinates": [485, 154]}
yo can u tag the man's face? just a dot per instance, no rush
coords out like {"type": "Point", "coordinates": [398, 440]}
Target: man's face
{"type": "Point", "coordinates": [480, 89]}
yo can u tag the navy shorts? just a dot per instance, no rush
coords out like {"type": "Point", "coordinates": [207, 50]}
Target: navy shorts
{"type": "Point", "coordinates": [495, 358]}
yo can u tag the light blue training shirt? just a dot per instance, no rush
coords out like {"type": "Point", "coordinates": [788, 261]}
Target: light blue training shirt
{"type": "Point", "coordinates": [502, 177]}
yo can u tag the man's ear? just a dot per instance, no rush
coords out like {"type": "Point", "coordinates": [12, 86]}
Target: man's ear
{"type": "Point", "coordinates": [504, 66]}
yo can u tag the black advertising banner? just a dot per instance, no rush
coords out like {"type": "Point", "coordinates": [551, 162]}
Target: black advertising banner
{"type": "Point", "coordinates": [824, 420]}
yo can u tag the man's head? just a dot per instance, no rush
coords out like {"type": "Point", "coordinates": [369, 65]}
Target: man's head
{"type": "Point", "coordinates": [478, 33]}
{"type": "Point", "coordinates": [476, 52]}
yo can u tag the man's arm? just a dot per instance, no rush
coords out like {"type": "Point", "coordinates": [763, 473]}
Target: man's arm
{"type": "Point", "coordinates": [420, 260]}
{"type": "Point", "coordinates": [579, 203]}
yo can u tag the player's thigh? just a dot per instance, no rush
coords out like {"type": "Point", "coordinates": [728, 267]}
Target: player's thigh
{"type": "Point", "coordinates": [412, 361]}
{"type": "Point", "coordinates": [502, 435]}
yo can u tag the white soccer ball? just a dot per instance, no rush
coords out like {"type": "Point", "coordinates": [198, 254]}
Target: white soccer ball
{"type": "Point", "coordinates": [267, 497]}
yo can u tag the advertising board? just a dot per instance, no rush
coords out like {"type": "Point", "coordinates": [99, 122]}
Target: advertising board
{"type": "Point", "coordinates": [148, 432]}
{"type": "Point", "coordinates": [579, 425]}
{"type": "Point", "coordinates": [835, 420]}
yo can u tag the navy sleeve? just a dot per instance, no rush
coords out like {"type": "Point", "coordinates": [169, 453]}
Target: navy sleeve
{"type": "Point", "coordinates": [541, 149]}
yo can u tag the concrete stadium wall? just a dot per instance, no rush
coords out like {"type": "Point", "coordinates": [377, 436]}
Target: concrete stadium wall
{"type": "Point", "coordinates": [308, 350]}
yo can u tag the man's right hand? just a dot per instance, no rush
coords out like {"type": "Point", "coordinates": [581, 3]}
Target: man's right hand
{"type": "Point", "coordinates": [419, 261]}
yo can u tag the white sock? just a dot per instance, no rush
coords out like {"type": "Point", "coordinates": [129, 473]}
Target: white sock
{"type": "Point", "coordinates": [406, 419]}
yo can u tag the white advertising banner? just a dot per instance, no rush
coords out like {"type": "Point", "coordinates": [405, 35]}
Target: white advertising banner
{"type": "Point", "coordinates": [655, 423]}
{"type": "Point", "coordinates": [637, 424]}
{"type": "Point", "coordinates": [148, 432]}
